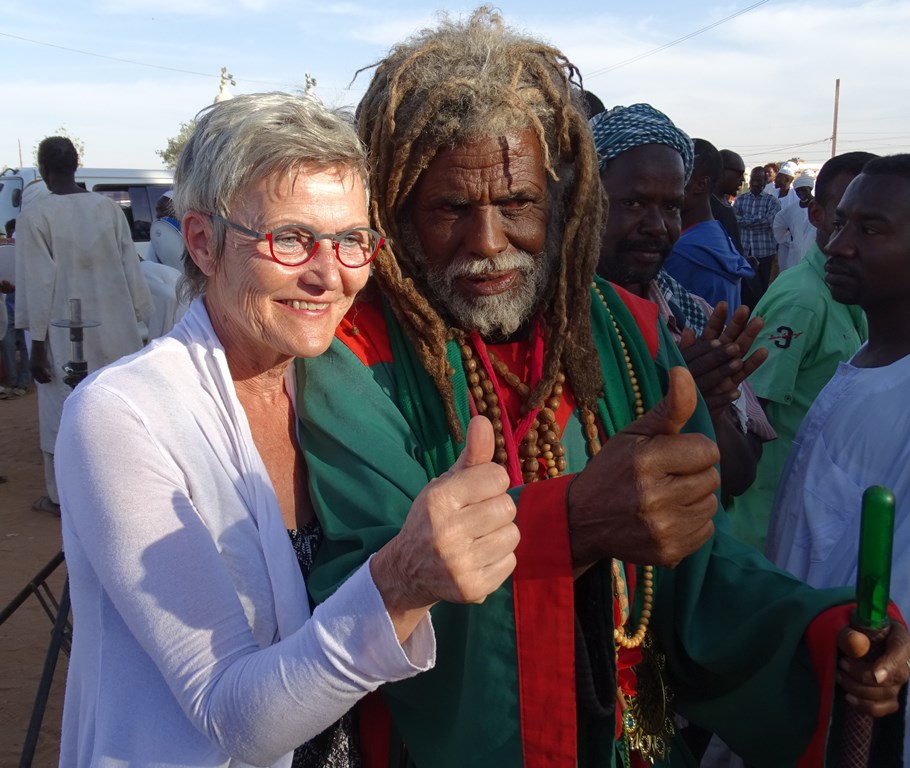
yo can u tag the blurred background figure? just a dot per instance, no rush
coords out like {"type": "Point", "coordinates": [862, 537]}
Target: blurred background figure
{"type": "Point", "coordinates": [73, 244]}
{"type": "Point", "coordinates": [792, 229]}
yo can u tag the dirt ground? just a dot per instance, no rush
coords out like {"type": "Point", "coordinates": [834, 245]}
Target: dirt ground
{"type": "Point", "coordinates": [28, 541]}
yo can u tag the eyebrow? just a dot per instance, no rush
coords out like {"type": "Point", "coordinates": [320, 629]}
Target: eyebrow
{"type": "Point", "coordinates": [634, 193]}
{"type": "Point", "coordinates": [869, 215]}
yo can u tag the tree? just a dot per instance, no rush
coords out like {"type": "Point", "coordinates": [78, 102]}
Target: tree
{"type": "Point", "coordinates": [61, 131]}
{"type": "Point", "coordinates": [174, 146]}
{"type": "Point", "coordinates": [170, 154]}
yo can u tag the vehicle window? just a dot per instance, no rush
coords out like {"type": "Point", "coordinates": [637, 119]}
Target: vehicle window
{"type": "Point", "coordinates": [137, 203]}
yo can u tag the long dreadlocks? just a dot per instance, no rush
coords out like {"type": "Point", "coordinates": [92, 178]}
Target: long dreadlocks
{"type": "Point", "coordinates": [449, 87]}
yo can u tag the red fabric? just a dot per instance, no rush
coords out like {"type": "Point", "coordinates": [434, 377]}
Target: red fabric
{"type": "Point", "coordinates": [645, 314]}
{"type": "Point", "coordinates": [821, 637]}
{"type": "Point", "coordinates": [542, 588]}
{"type": "Point", "coordinates": [627, 659]}
{"type": "Point", "coordinates": [375, 731]}
{"type": "Point", "coordinates": [363, 331]}
{"type": "Point", "coordinates": [516, 356]}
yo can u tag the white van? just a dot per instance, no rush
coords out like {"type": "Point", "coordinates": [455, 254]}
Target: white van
{"type": "Point", "coordinates": [135, 191]}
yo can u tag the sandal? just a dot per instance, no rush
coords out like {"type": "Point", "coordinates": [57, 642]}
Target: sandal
{"type": "Point", "coordinates": [44, 504]}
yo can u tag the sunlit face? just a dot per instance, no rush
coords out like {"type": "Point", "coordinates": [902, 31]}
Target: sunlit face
{"type": "Point", "coordinates": [645, 186]}
{"type": "Point", "coordinates": [804, 194]}
{"type": "Point", "coordinates": [822, 213]}
{"type": "Point", "coordinates": [479, 215]}
{"type": "Point", "coordinates": [869, 253]}
{"type": "Point", "coordinates": [264, 312]}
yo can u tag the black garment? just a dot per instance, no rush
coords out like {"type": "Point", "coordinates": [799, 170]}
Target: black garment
{"type": "Point", "coordinates": [337, 746]}
{"type": "Point", "coordinates": [724, 213]}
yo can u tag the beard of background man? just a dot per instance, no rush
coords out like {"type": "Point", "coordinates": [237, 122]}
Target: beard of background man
{"type": "Point", "coordinates": [624, 269]}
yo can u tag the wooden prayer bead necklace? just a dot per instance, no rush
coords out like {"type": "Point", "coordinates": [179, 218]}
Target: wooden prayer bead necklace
{"type": "Point", "coordinates": [542, 442]}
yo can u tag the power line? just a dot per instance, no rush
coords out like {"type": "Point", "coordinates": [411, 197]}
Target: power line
{"type": "Point", "coordinates": [127, 61]}
{"type": "Point", "coordinates": [639, 57]}
{"type": "Point", "coordinates": [770, 148]}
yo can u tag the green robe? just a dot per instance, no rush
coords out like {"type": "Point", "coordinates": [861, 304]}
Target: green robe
{"type": "Point", "coordinates": [731, 625]}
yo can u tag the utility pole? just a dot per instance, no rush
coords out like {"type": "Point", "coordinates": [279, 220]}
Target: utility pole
{"type": "Point", "coordinates": [834, 131]}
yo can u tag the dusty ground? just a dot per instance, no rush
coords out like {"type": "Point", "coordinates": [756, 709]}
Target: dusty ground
{"type": "Point", "coordinates": [28, 540]}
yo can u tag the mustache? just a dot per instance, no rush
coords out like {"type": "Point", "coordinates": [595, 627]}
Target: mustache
{"type": "Point", "coordinates": [661, 245]}
{"type": "Point", "coordinates": [519, 260]}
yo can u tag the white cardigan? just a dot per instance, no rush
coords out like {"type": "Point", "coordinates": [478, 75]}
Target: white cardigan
{"type": "Point", "coordinates": [192, 644]}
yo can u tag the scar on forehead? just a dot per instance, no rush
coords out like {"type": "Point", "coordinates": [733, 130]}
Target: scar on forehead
{"type": "Point", "coordinates": [506, 169]}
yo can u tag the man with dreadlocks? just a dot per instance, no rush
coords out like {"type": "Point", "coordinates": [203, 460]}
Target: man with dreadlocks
{"type": "Point", "coordinates": [486, 184]}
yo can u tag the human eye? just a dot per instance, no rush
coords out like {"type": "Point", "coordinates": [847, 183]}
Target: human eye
{"type": "Point", "coordinates": [452, 207]}
{"type": "Point", "coordinates": [356, 246]}
{"type": "Point", "coordinates": [350, 242]}
{"type": "Point", "coordinates": [292, 240]}
{"type": "Point", "coordinates": [515, 203]}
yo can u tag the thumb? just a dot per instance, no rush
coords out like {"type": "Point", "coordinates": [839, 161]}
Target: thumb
{"type": "Point", "coordinates": [479, 444]}
{"type": "Point", "coordinates": [670, 415]}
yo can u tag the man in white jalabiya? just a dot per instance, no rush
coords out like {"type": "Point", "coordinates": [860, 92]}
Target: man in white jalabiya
{"type": "Point", "coordinates": [855, 433]}
{"type": "Point", "coordinates": [792, 227]}
{"type": "Point", "coordinates": [73, 244]}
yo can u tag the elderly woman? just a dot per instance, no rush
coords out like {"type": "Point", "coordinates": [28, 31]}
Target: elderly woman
{"type": "Point", "coordinates": [181, 477]}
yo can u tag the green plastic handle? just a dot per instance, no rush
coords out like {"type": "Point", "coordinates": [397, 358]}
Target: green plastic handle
{"type": "Point", "coordinates": [876, 538]}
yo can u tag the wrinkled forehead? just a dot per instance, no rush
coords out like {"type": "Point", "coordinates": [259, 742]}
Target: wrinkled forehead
{"type": "Point", "coordinates": [485, 166]}
{"type": "Point", "coordinates": [277, 182]}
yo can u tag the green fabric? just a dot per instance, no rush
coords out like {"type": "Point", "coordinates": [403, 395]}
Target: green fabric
{"type": "Point", "coordinates": [419, 403]}
{"type": "Point", "coordinates": [734, 656]}
{"type": "Point", "coordinates": [824, 333]}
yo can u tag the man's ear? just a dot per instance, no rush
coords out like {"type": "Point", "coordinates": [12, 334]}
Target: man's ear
{"type": "Point", "coordinates": [816, 213]}
{"type": "Point", "coordinates": [699, 185]}
{"type": "Point", "coordinates": [199, 238]}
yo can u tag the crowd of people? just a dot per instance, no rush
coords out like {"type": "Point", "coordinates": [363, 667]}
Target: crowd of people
{"type": "Point", "coordinates": [468, 447]}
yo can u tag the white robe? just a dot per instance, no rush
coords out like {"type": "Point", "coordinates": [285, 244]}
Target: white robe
{"type": "Point", "coordinates": [77, 246]}
{"type": "Point", "coordinates": [162, 282]}
{"type": "Point", "coordinates": [792, 227]}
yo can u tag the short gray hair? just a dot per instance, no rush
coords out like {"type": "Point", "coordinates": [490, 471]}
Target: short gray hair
{"type": "Point", "coordinates": [254, 136]}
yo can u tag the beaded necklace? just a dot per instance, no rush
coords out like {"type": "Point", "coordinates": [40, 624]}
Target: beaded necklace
{"type": "Point", "coordinates": [540, 446]}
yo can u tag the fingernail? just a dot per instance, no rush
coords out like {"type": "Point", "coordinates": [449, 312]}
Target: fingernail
{"type": "Point", "coordinates": [851, 699]}
{"type": "Point", "coordinates": [880, 675]}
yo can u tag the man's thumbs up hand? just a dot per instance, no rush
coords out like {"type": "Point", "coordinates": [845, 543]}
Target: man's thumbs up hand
{"type": "Point", "coordinates": [648, 496]}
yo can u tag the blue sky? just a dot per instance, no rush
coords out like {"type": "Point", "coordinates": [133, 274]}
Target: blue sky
{"type": "Point", "coordinates": [121, 75]}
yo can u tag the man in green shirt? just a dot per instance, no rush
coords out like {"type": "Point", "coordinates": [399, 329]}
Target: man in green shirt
{"type": "Point", "coordinates": [807, 333]}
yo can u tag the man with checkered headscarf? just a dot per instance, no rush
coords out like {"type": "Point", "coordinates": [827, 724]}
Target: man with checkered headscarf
{"type": "Point", "coordinates": [644, 161]}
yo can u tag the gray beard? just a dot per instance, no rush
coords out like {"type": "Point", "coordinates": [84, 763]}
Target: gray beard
{"type": "Point", "coordinates": [497, 315]}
